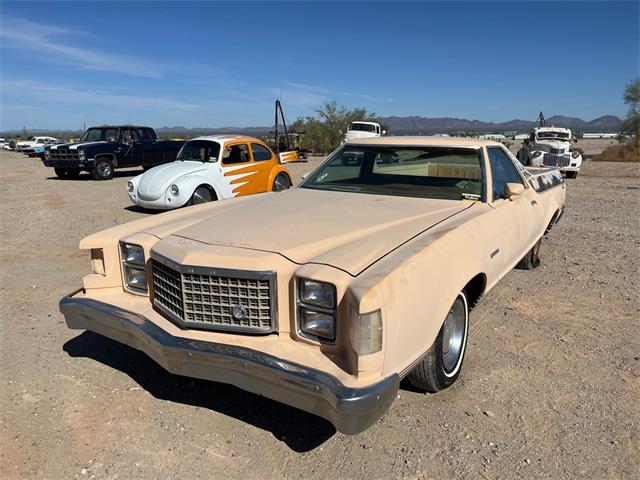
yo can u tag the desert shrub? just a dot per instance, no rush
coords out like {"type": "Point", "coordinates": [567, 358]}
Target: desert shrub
{"type": "Point", "coordinates": [628, 152]}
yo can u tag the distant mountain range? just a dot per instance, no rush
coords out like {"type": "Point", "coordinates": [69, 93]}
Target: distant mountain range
{"type": "Point", "coordinates": [446, 124]}
{"type": "Point", "coordinates": [396, 125]}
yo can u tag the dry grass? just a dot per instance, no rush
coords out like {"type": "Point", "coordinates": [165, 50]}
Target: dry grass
{"type": "Point", "coordinates": [627, 152]}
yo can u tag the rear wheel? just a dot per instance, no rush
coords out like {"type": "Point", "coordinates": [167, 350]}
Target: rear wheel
{"type": "Point", "coordinates": [103, 169]}
{"type": "Point", "coordinates": [201, 195]}
{"type": "Point", "coordinates": [531, 260]}
{"type": "Point", "coordinates": [441, 366]}
{"type": "Point", "coordinates": [571, 174]}
{"type": "Point", "coordinates": [67, 172]}
{"type": "Point", "coordinates": [281, 182]}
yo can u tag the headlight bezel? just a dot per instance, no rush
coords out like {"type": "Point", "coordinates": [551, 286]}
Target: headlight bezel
{"type": "Point", "coordinates": [174, 190]}
{"type": "Point", "coordinates": [575, 154]}
{"type": "Point", "coordinates": [131, 266]}
{"type": "Point", "coordinates": [306, 309]}
{"type": "Point", "coordinates": [130, 186]}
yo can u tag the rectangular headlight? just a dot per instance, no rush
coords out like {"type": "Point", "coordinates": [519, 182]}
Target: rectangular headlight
{"type": "Point", "coordinates": [133, 267]}
{"type": "Point", "coordinates": [132, 254]}
{"type": "Point", "coordinates": [366, 332]}
{"type": "Point", "coordinates": [320, 294]}
{"type": "Point", "coordinates": [317, 324]}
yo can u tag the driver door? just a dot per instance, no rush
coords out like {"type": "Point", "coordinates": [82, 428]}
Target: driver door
{"type": "Point", "coordinates": [133, 148]}
{"type": "Point", "coordinates": [517, 217]}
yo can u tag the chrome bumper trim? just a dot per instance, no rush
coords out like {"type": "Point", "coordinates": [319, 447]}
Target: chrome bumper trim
{"type": "Point", "coordinates": [350, 410]}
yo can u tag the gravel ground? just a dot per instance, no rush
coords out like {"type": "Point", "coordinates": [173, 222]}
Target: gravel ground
{"type": "Point", "coordinates": [549, 389]}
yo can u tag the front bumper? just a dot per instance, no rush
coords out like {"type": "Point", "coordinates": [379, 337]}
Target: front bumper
{"type": "Point", "coordinates": [351, 410]}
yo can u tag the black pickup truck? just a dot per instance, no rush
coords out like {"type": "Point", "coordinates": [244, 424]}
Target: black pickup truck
{"type": "Point", "coordinates": [101, 150]}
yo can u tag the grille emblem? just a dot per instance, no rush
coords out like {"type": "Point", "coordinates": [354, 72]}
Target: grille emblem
{"type": "Point", "coordinates": [239, 312]}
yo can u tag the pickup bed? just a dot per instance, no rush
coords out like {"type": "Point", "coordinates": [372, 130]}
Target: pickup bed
{"type": "Point", "coordinates": [101, 150]}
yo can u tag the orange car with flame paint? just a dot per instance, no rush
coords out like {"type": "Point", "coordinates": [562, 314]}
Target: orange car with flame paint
{"type": "Point", "coordinates": [212, 168]}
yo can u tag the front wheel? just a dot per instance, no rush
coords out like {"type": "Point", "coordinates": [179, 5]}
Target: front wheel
{"type": "Point", "coordinates": [441, 366]}
{"type": "Point", "coordinates": [102, 170]}
{"type": "Point", "coordinates": [201, 195]}
{"type": "Point", "coordinates": [281, 182]}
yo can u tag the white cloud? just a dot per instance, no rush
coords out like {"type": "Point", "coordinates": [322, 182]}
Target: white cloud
{"type": "Point", "coordinates": [45, 40]}
{"type": "Point", "coordinates": [59, 94]}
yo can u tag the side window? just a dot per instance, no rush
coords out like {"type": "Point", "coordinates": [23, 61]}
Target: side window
{"type": "Point", "coordinates": [234, 154]}
{"type": "Point", "coordinates": [260, 153]}
{"type": "Point", "coordinates": [110, 134]}
{"type": "Point", "coordinates": [129, 135]}
{"type": "Point", "coordinates": [503, 171]}
{"type": "Point", "coordinates": [147, 135]}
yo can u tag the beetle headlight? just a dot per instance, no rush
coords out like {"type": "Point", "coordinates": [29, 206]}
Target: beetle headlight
{"type": "Point", "coordinates": [133, 267]}
{"type": "Point", "coordinates": [175, 191]}
{"type": "Point", "coordinates": [316, 310]}
{"type": "Point", "coordinates": [130, 187]}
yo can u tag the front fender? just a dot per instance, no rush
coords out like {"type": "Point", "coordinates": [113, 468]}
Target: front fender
{"type": "Point", "coordinates": [274, 173]}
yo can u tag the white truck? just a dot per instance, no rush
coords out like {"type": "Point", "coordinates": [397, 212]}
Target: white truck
{"type": "Point", "coordinates": [551, 147]}
{"type": "Point", "coordinates": [363, 130]}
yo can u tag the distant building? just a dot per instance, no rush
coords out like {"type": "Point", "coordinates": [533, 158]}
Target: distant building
{"type": "Point", "coordinates": [600, 135]}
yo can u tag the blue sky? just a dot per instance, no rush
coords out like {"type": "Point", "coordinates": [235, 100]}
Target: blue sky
{"type": "Point", "coordinates": [223, 64]}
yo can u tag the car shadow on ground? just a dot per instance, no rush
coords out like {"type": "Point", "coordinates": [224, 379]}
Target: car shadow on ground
{"type": "Point", "coordinates": [299, 430]}
{"type": "Point", "coordinates": [137, 209]}
{"type": "Point", "coordinates": [86, 176]}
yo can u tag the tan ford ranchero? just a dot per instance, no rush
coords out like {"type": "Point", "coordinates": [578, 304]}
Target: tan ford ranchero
{"type": "Point", "coordinates": [325, 296]}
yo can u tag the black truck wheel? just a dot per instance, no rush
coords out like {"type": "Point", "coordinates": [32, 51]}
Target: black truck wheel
{"type": "Point", "coordinates": [442, 364]}
{"type": "Point", "coordinates": [67, 172]}
{"type": "Point", "coordinates": [103, 169]}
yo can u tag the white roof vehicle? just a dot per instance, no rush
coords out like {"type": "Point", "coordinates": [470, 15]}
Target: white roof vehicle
{"type": "Point", "coordinates": [35, 142]}
{"type": "Point", "coordinates": [210, 168]}
{"type": "Point", "coordinates": [551, 147]}
{"type": "Point", "coordinates": [363, 130]}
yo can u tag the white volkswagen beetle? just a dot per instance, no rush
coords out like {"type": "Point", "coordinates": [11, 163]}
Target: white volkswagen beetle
{"type": "Point", "coordinates": [210, 168]}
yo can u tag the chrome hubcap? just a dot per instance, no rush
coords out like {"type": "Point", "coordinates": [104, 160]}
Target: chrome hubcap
{"type": "Point", "coordinates": [104, 169]}
{"type": "Point", "coordinates": [453, 336]}
{"type": "Point", "coordinates": [201, 195]}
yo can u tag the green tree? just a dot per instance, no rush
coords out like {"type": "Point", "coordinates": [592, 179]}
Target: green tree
{"type": "Point", "coordinates": [631, 124]}
{"type": "Point", "coordinates": [324, 132]}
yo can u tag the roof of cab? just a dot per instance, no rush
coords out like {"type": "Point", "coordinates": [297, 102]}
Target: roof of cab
{"type": "Point", "coordinates": [424, 141]}
{"type": "Point", "coordinates": [228, 138]}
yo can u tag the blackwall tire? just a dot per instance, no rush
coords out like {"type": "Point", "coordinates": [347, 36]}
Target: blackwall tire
{"type": "Point", "coordinates": [103, 169]}
{"type": "Point", "coordinates": [281, 182]}
{"type": "Point", "coordinates": [202, 195]}
{"type": "Point", "coordinates": [532, 259]}
{"type": "Point", "coordinates": [442, 364]}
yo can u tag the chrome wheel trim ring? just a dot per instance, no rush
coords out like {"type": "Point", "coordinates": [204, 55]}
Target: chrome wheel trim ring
{"type": "Point", "coordinates": [201, 195]}
{"type": "Point", "coordinates": [454, 336]}
{"type": "Point", "coordinates": [104, 169]}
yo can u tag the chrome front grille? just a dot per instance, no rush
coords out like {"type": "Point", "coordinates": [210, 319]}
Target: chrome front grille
{"type": "Point", "coordinates": [215, 299]}
{"type": "Point", "coordinates": [556, 151]}
{"type": "Point", "coordinates": [555, 160]}
{"type": "Point", "coordinates": [63, 154]}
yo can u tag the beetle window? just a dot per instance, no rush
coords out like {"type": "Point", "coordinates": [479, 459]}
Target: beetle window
{"type": "Point", "coordinates": [234, 154]}
{"type": "Point", "coordinates": [503, 171]}
{"type": "Point", "coordinates": [200, 150]}
{"type": "Point", "coordinates": [260, 153]}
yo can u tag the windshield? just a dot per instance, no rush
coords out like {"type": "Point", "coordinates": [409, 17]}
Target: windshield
{"type": "Point", "coordinates": [430, 172]}
{"type": "Point", "coordinates": [99, 135]}
{"type": "Point", "coordinates": [362, 127]}
{"type": "Point", "coordinates": [553, 136]}
{"type": "Point", "coordinates": [202, 150]}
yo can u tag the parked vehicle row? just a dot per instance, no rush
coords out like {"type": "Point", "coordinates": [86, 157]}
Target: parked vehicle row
{"type": "Point", "coordinates": [322, 297]}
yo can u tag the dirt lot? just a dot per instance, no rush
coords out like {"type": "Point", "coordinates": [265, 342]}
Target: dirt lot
{"type": "Point", "coordinates": [550, 385]}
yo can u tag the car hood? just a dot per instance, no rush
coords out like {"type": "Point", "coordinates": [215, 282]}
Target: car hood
{"type": "Point", "coordinates": [75, 146]}
{"type": "Point", "coordinates": [152, 184]}
{"type": "Point", "coordinates": [348, 231]}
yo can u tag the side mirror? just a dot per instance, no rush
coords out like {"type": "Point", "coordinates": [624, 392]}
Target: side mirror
{"type": "Point", "coordinates": [513, 189]}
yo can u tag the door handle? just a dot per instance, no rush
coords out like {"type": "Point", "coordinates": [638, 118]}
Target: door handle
{"type": "Point", "coordinates": [534, 203]}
